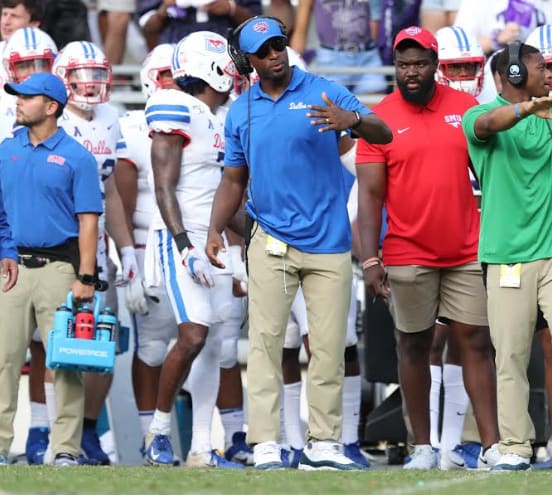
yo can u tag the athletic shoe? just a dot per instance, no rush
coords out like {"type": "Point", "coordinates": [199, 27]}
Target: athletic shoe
{"type": "Point", "coordinates": [267, 456]}
{"type": "Point", "coordinates": [489, 458]}
{"type": "Point", "coordinates": [423, 457]}
{"type": "Point", "coordinates": [451, 460]}
{"type": "Point", "coordinates": [511, 462]}
{"type": "Point", "coordinates": [159, 451]}
{"type": "Point", "coordinates": [328, 456]}
{"type": "Point", "coordinates": [3, 460]}
{"type": "Point", "coordinates": [290, 458]}
{"type": "Point", "coordinates": [36, 445]}
{"type": "Point", "coordinates": [65, 460]}
{"type": "Point", "coordinates": [211, 459]}
{"type": "Point", "coordinates": [470, 453]}
{"type": "Point", "coordinates": [239, 451]}
{"type": "Point", "coordinates": [91, 448]}
{"type": "Point", "coordinates": [543, 465]}
{"type": "Point", "coordinates": [353, 452]}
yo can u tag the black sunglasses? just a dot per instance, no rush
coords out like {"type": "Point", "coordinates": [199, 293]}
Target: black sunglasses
{"type": "Point", "coordinates": [277, 43]}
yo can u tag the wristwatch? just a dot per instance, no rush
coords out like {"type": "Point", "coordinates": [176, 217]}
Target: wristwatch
{"type": "Point", "coordinates": [86, 279]}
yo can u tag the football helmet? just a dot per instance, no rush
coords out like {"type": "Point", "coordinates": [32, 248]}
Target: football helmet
{"type": "Point", "coordinates": [86, 72]}
{"type": "Point", "coordinates": [541, 38]}
{"type": "Point", "coordinates": [28, 50]}
{"type": "Point", "coordinates": [456, 49]}
{"type": "Point", "coordinates": [203, 55]}
{"type": "Point", "coordinates": [156, 62]}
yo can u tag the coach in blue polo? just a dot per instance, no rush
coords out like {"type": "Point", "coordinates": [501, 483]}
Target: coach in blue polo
{"type": "Point", "coordinates": [51, 194]}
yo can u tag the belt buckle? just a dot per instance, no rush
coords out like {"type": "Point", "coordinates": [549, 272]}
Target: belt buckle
{"type": "Point", "coordinates": [350, 47]}
{"type": "Point", "coordinates": [32, 261]}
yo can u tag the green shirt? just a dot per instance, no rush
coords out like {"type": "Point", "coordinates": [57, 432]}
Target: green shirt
{"type": "Point", "coordinates": [514, 168]}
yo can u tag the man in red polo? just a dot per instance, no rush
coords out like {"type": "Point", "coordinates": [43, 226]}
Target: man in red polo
{"type": "Point", "coordinates": [430, 249]}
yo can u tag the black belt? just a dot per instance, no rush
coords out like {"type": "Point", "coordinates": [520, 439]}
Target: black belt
{"type": "Point", "coordinates": [351, 47]}
{"type": "Point", "coordinates": [33, 260]}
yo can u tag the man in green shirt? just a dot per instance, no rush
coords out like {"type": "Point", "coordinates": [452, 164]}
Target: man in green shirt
{"type": "Point", "coordinates": [510, 145]}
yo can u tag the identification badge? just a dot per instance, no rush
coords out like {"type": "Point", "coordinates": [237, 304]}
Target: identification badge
{"type": "Point", "coordinates": [275, 247]}
{"type": "Point", "coordinates": [510, 276]}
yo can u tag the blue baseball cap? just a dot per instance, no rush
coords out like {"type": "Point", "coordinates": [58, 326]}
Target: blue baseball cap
{"type": "Point", "coordinates": [257, 31]}
{"type": "Point", "coordinates": [40, 83]}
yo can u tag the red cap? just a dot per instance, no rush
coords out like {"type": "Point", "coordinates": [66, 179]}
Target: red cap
{"type": "Point", "coordinates": [422, 36]}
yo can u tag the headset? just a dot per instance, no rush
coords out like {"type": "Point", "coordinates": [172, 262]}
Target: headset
{"type": "Point", "coordinates": [516, 72]}
{"type": "Point", "coordinates": [238, 57]}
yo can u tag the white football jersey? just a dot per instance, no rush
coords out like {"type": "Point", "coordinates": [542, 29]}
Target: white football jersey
{"type": "Point", "coordinates": [175, 112]}
{"type": "Point", "coordinates": [134, 147]}
{"type": "Point", "coordinates": [99, 136]}
{"type": "Point", "coordinates": [7, 114]}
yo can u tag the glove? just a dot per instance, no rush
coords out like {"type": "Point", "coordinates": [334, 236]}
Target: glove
{"type": "Point", "coordinates": [129, 263]}
{"type": "Point", "coordinates": [198, 267]}
{"type": "Point", "coordinates": [135, 296]}
{"type": "Point", "coordinates": [238, 265]}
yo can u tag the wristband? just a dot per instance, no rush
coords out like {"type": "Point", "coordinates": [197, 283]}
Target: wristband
{"type": "Point", "coordinates": [182, 241]}
{"type": "Point", "coordinates": [517, 112]}
{"type": "Point", "coordinates": [370, 262]}
{"type": "Point", "coordinates": [359, 120]}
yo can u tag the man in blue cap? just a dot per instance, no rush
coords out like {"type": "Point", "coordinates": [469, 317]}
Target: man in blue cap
{"type": "Point", "coordinates": [52, 198]}
{"type": "Point", "coordinates": [282, 136]}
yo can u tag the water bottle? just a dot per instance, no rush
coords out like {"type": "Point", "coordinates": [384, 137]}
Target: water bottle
{"type": "Point", "coordinates": [84, 323]}
{"type": "Point", "coordinates": [106, 326]}
{"type": "Point", "coordinates": [63, 321]}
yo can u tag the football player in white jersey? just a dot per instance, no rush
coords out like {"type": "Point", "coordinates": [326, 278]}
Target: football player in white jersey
{"type": "Point", "coordinates": [93, 122]}
{"type": "Point", "coordinates": [187, 155]}
{"type": "Point", "coordinates": [154, 323]}
{"type": "Point", "coordinates": [27, 50]}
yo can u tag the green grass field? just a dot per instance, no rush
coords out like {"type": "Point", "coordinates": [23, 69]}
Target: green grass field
{"type": "Point", "coordinates": [160, 481]}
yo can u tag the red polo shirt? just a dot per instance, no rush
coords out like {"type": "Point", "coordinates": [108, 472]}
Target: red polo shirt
{"type": "Point", "coordinates": [432, 215]}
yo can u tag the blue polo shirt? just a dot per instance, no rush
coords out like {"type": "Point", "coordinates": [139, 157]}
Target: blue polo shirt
{"type": "Point", "coordinates": [297, 190]}
{"type": "Point", "coordinates": [45, 187]}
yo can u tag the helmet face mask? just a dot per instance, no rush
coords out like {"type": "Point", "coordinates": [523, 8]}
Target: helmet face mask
{"type": "Point", "coordinates": [203, 55]}
{"type": "Point", "coordinates": [156, 70]}
{"type": "Point", "coordinates": [461, 60]}
{"type": "Point", "coordinates": [86, 73]}
{"type": "Point", "coordinates": [29, 50]}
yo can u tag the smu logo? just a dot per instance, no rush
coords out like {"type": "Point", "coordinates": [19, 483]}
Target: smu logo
{"type": "Point", "coordinates": [59, 160]}
{"type": "Point", "coordinates": [215, 45]}
{"type": "Point", "coordinates": [260, 27]}
{"type": "Point", "coordinates": [455, 120]}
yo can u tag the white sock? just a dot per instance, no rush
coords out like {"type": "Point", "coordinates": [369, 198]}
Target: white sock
{"type": "Point", "coordinates": [203, 383]}
{"type": "Point", "coordinates": [434, 404]}
{"type": "Point", "coordinates": [232, 422]}
{"type": "Point", "coordinates": [351, 409]}
{"type": "Point", "coordinates": [39, 415]}
{"type": "Point", "coordinates": [455, 405]}
{"type": "Point", "coordinates": [145, 420]}
{"type": "Point", "coordinates": [283, 434]}
{"type": "Point", "coordinates": [161, 423]}
{"type": "Point", "coordinates": [292, 415]}
{"type": "Point", "coordinates": [50, 403]}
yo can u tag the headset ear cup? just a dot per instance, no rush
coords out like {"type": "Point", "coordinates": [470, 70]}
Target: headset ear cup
{"type": "Point", "coordinates": [516, 71]}
{"type": "Point", "coordinates": [238, 57]}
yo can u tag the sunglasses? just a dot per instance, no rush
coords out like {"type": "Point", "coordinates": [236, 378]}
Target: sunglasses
{"type": "Point", "coordinates": [277, 43]}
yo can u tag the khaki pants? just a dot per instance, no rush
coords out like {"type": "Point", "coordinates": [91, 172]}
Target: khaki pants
{"type": "Point", "coordinates": [512, 316]}
{"type": "Point", "coordinates": [31, 304]}
{"type": "Point", "coordinates": [273, 283]}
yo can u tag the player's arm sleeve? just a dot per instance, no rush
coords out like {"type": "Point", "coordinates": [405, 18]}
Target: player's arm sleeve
{"type": "Point", "coordinates": [167, 115]}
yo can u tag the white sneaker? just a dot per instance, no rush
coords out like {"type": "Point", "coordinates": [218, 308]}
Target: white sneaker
{"type": "Point", "coordinates": [212, 459]}
{"type": "Point", "coordinates": [326, 455]}
{"type": "Point", "coordinates": [488, 459]}
{"type": "Point", "coordinates": [511, 462]}
{"type": "Point", "coordinates": [267, 456]}
{"type": "Point", "coordinates": [65, 460]}
{"type": "Point", "coordinates": [451, 461]}
{"type": "Point", "coordinates": [423, 457]}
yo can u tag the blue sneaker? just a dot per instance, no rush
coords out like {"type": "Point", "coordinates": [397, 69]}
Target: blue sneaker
{"type": "Point", "coordinates": [543, 465]}
{"type": "Point", "coordinates": [239, 451]}
{"type": "Point", "coordinates": [470, 453]}
{"type": "Point", "coordinates": [290, 458]}
{"type": "Point", "coordinates": [37, 443]}
{"type": "Point", "coordinates": [211, 459]}
{"type": "Point", "coordinates": [3, 460]}
{"type": "Point", "coordinates": [92, 450]}
{"type": "Point", "coordinates": [159, 451]}
{"type": "Point", "coordinates": [353, 452]}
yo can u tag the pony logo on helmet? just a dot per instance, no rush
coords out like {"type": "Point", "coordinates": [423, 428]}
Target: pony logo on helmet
{"type": "Point", "coordinates": [28, 50]}
{"type": "Point", "coordinates": [86, 72]}
{"type": "Point", "coordinates": [541, 38]}
{"type": "Point", "coordinates": [461, 60]}
{"type": "Point", "coordinates": [203, 55]}
{"type": "Point", "coordinates": [157, 62]}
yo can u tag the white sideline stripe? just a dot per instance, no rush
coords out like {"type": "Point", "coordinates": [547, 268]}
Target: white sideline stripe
{"type": "Point", "coordinates": [432, 485]}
